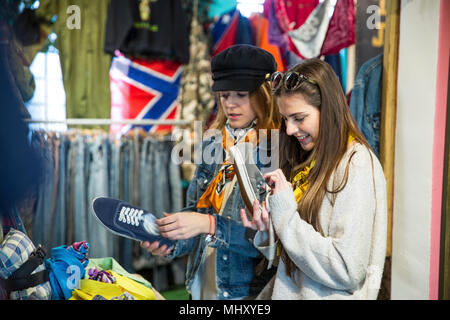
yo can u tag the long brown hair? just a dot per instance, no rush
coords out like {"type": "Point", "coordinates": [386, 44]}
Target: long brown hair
{"type": "Point", "coordinates": [336, 124]}
{"type": "Point", "coordinates": [267, 114]}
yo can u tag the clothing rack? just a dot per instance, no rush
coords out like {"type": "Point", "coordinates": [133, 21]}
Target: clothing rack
{"type": "Point", "coordinates": [142, 122]}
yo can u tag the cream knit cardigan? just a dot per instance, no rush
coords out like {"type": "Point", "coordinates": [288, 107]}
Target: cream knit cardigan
{"type": "Point", "coordinates": [346, 263]}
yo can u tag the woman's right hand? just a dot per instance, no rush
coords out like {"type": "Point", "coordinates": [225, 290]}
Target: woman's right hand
{"type": "Point", "coordinates": [261, 218]}
{"type": "Point", "coordinates": [154, 248]}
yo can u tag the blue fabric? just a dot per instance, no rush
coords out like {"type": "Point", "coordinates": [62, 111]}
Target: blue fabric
{"type": "Point", "coordinates": [125, 244]}
{"type": "Point", "coordinates": [236, 255]}
{"type": "Point", "coordinates": [335, 62]}
{"type": "Point", "coordinates": [43, 213]}
{"type": "Point", "coordinates": [58, 265]}
{"type": "Point", "coordinates": [60, 223]}
{"type": "Point", "coordinates": [343, 57]}
{"type": "Point", "coordinates": [221, 25]}
{"type": "Point", "coordinates": [175, 184]}
{"type": "Point", "coordinates": [365, 101]}
{"type": "Point", "coordinates": [114, 184]}
{"type": "Point", "coordinates": [244, 34]}
{"type": "Point", "coordinates": [80, 216]}
{"type": "Point", "coordinates": [98, 236]}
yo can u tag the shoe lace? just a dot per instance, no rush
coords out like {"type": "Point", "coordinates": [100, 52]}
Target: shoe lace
{"type": "Point", "coordinates": [131, 216]}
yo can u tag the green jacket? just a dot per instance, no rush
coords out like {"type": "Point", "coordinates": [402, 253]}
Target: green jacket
{"type": "Point", "coordinates": [85, 65]}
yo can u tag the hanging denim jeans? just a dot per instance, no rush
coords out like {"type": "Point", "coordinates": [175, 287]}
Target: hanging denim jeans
{"type": "Point", "coordinates": [125, 245]}
{"type": "Point", "coordinates": [114, 182]}
{"type": "Point", "coordinates": [161, 192]}
{"type": "Point", "coordinates": [135, 185]}
{"type": "Point", "coordinates": [147, 160]}
{"type": "Point", "coordinates": [80, 216]}
{"type": "Point", "coordinates": [99, 237]}
{"type": "Point", "coordinates": [59, 221]}
{"type": "Point", "coordinates": [174, 171]}
{"type": "Point", "coordinates": [72, 160]}
{"type": "Point", "coordinates": [146, 181]}
{"type": "Point", "coordinates": [43, 213]}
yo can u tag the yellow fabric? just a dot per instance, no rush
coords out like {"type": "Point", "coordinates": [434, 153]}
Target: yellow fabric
{"type": "Point", "coordinates": [214, 194]}
{"type": "Point", "coordinates": [90, 288]}
{"type": "Point", "coordinates": [301, 182]}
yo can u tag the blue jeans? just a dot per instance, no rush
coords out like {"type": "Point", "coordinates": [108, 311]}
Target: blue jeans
{"type": "Point", "coordinates": [99, 237]}
{"type": "Point", "coordinates": [161, 184]}
{"type": "Point", "coordinates": [125, 245]}
{"type": "Point", "coordinates": [147, 156]}
{"type": "Point", "coordinates": [80, 217]}
{"type": "Point", "coordinates": [114, 181]}
{"type": "Point", "coordinates": [59, 223]}
{"type": "Point", "coordinates": [176, 190]}
{"type": "Point", "coordinates": [43, 213]}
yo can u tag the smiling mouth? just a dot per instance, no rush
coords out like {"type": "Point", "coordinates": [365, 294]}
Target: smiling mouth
{"type": "Point", "coordinates": [233, 115]}
{"type": "Point", "coordinates": [302, 138]}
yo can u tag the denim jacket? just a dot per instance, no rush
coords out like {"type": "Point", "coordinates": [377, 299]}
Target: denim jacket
{"type": "Point", "coordinates": [236, 255]}
{"type": "Point", "coordinates": [365, 101]}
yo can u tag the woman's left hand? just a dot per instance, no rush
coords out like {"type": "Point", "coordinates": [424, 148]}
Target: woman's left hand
{"type": "Point", "coordinates": [183, 225]}
{"type": "Point", "coordinates": [277, 181]}
{"type": "Point", "coordinates": [260, 218]}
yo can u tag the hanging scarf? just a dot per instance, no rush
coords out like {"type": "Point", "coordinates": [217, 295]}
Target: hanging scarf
{"type": "Point", "coordinates": [214, 194]}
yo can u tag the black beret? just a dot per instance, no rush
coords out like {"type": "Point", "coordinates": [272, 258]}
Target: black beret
{"type": "Point", "coordinates": [241, 67]}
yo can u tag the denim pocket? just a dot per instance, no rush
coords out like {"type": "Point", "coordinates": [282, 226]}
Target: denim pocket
{"type": "Point", "coordinates": [241, 269]}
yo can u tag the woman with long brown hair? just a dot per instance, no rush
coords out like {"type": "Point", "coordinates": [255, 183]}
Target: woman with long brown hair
{"type": "Point", "coordinates": [328, 202]}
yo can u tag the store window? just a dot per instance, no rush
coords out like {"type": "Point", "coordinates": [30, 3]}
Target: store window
{"type": "Point", "coordinates": [49, 99]}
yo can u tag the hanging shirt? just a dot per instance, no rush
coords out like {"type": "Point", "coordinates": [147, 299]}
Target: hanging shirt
{"type": "Point", "coordinates": [231, 28]}
{"type": "Point", "coordinates": [341, 30]}
{"type": "Point", "coordinates": [84, 65]}
{"type": "Point", "coordinates": [148, 28]}
{"type": "Point", "coordinates": [260, 25]}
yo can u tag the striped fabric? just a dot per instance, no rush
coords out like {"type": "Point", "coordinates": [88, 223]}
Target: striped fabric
{"type": "Point", "coordinates": [14, 251]}
{"type": "Point", "coordinates": [144, 89]}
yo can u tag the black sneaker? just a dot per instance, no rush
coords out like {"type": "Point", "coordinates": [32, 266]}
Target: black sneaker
{"type": "Point", "coordinates": [128, 221]}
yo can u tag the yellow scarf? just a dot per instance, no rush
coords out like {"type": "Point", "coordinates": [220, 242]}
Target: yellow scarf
{"type": "Point", "coordinates": [214, 194]}
{"type": "Point", "coordinates": [300, 182]}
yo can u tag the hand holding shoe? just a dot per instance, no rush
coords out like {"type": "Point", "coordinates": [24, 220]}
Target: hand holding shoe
{"type": "Point", "coordinates": [184, 225]}
{"type": "Point", "coordinates": [261, 218]}
{"type": "Point", "coordinates": [154, 248]}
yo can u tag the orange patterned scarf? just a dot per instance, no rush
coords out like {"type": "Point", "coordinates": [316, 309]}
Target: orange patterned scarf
{"type": "Point", "coordinates": [214, 194]}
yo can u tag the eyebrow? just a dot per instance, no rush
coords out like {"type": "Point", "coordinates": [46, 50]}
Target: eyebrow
{"type": "Point", "coordinates": [295, 114]}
